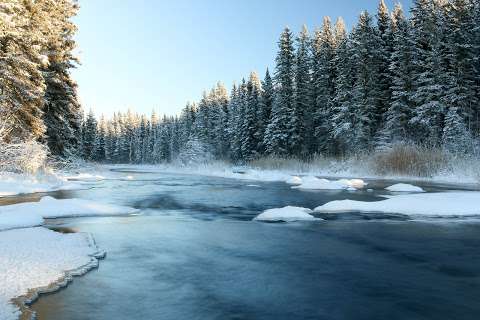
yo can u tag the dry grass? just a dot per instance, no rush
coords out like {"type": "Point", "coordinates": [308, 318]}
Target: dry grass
{"type": "Point", "coordinates": [410, 160]}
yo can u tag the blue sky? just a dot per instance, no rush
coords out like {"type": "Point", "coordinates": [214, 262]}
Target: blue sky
{"type": "Point", "coordinates": [158, 54]}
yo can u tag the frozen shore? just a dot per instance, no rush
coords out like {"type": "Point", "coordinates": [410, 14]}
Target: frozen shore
{"type": "Point", "coordinates": [34, 259]}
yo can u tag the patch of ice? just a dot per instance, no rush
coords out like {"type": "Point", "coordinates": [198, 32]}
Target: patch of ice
{"type": "Point", "coordinates": [253, 185]}
{"type": "Point", "coordinates": [314, 183]}
{"type": "Point", "coordinates": [286, 214]}
{"type": "Point", "coordinates": [403, 187]}
{"type": "Point", "coordinates": [31, 214]}
{"type": "Point", "coordinates": [37, 257]}
{"type": "Point", "coordinates": [13, 220]}
{"type": "Point", "coordinates": [425, 204]}
{"type": "Point", "coordinates": [86, 177]}
{"type": "Point", "coordinates": [49, 207]}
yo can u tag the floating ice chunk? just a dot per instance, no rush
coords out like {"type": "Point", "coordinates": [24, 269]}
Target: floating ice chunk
{"type": "Point", "coordinates": [286, 214]}
{"type": "Point", "coordinates": [294, 180]}
{"type": "Point", "coordinates": [253, 185]}
{"type": "Point", "coordinates": [86, 177]}
{"type": "Point", "coordinates": [14, 220]}
{"type": "Point", "coordinates": [314, 183]}
{"type": "Point", "coordinates": [426, 204]}
{"type": "Point", "coordinates": [403, 187]}
{"type": "Point", "coordinates": [49, 207]}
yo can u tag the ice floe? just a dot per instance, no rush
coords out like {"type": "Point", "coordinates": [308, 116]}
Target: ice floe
{"type": "Point", "coordinates": [32, 213]}
{"type": "Point", "coordinates": [404, 187]}
{"type": "Point", "coordinates": [314, 183]}
{"type": "Point", "coordinates": [424, 204]}
{"type": "Point", "coordinates": [286, 214]}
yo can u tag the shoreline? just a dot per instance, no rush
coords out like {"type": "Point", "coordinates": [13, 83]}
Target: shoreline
{"type": "Point", "coordinates": [24, 302]}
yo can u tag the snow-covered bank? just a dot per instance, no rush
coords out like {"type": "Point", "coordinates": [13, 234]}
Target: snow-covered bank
{"type": "Point", "coordinates": [445, 204]}
{"type": "Point", "coordinates": [34, 259]}
{"type": "Point", "coordinates": [13, 184]}
{"type": "Point", "coordinates": [286, 214]}
{"type": "Point", "coordinates": [38, 260]}
{"type": "Point", "coordinates": [32, 213]}
{"type": "Point", "coordinates": [291, 175]}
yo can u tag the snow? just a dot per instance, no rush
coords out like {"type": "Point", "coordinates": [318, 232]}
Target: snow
{"type": "Point", "coordinates": [286, 214]}
{"type": "Point", "coordinates": [31, 214]}
{"type": "Point", "coordinates": [449, 204]}
{"type": "Point", "coordinates": [294, 180]}
{"type": "Point", "coordinates": [49, 207]}
{"type": "Point", "coordinates": [86, 177]}
{"type": "Point", "coordinates": [37, 258]}
{"type": "Point", "coordinates": [403, 187]}
{"type": "Point", "coordinates": [14, 184]}
{"type": "Point", "coordinates": [314, 183]}
{"type": "Point", "coordinates": [13, 220]}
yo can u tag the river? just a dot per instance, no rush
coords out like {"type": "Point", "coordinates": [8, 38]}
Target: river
{"type": "Point", "coordinates": [194, 253]}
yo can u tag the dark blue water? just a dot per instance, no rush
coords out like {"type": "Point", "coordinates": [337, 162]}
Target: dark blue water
{"type": "Point", "coordinates": [194, 253]}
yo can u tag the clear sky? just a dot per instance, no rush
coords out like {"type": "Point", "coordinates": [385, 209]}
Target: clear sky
{"type": "Point", "coordinates": [159, 54]}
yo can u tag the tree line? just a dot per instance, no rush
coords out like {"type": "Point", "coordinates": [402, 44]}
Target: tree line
{"type": "Point", "coordinates": [390, 79]}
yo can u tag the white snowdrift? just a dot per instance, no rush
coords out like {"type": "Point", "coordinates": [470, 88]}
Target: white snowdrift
{"type": "Point", "coordinates": [426, 204]}
{"type": "Point", "coordinates": [12, 220]}
{"type": "Point", "coordinates": [314, 183]}
{"type": "Point", "coordinates": [294, 180]}
{"type": "Point", "coordinates": [286, 214]}
{"type": "Point", "coordinates": [30, 214]}
{"type": "Point", "coordinates": [37, 257]}
{"type": "Point", "coordinates": [403, 187]}
{"type": "Point", "coordinates": [86, 177]}
{"type": "Point", "coordinates": [14, 184]}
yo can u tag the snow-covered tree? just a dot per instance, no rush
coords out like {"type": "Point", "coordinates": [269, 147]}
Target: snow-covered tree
{"type": "Point", "coordinates": [279, 131]}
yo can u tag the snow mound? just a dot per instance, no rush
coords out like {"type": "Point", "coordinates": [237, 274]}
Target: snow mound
{"type": "Point", "coordinates": [13, 220]}
{"type": "Point", "coordinates": [286, 214]}
{"type": "Point", "coordinates": [426, 204]}
{"type": "Point", "coordinates": [53, 208]}
{"type": "Point", "coordinates": [32, 213]}
{"type": "Point", "coordinates": [86, 177]}
{"type": "Point", "coordinates": [14, 184]}
{"type": "Point", "coordinates": [294, 180]}
{"type": "Point", "coordinates": [403, 187]}
{"type": "Point", "coordinates": [35, 258]}
{"type": "Point", "coordinates": [314, 183]}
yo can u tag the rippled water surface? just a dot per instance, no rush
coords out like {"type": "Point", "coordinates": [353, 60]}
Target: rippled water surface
{"type": "Point", "coordinates": [194, 253]}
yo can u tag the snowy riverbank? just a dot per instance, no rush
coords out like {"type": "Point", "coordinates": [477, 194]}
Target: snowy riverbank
{"type": "Point", "coordinates": [34, 259]}
{"type": "Point", "coordinates": [331, 171]}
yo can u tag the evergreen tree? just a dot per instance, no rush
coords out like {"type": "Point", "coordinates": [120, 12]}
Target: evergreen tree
{"type": "Point", "coordinates": [366, 95]}
{"type": "Point", "coordinates": [90, 136]}
{"type": "Point", "coordinates": [278, 137]}
{"type": "Point", "coordinates": [400, 111]}
{"type": "Point", "coordinates": [324, 75]}
{"type": "Point", "coordinates": [302, 107]}
{"type": "Point", "coordinates": [264, 111]}
{"type": "Point", "coordinates": [249, 141]}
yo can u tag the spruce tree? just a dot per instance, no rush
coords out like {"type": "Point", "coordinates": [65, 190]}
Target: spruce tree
{"type": "Point", "coordinates": [302, 107]}
{"type": "Point", "coordinates": [397, 116]}
{"type": "Point", "coordinates": [279, 131]}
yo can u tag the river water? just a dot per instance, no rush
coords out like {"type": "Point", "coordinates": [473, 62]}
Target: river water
{"type": "Point", "coordinates": [194, 253]}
